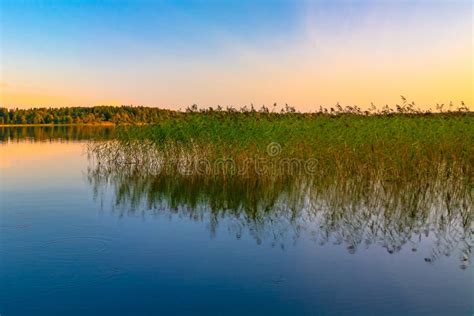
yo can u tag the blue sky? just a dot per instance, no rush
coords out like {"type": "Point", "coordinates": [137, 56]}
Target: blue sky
{"type": "Point", "coordinates": [173, 53]}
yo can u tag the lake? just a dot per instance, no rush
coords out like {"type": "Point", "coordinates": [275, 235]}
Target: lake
{"type": "Point", "coordinates": [79, 238]}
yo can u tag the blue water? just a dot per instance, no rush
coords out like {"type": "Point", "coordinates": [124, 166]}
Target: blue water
{"type": "Point", "coordinates": [68, 249]}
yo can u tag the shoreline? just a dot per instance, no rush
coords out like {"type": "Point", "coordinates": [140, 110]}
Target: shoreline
{"type": "Point", "coordinates": [61, 124]}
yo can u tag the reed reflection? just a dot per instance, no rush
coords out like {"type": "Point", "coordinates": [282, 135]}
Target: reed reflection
{"type": "Point", "coordinates": [354, 212]}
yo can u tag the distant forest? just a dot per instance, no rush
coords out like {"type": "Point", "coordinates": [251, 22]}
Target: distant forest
{"type": "Point", "coordinates": [85, 115]}
{"type": "Point", "coordinates": [140, 114]}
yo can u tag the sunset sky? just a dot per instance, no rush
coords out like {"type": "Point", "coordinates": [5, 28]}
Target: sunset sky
{"type": "Point", "coordinates": [176, 53]}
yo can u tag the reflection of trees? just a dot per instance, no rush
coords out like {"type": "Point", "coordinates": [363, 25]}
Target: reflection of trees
{"type": "Point", "coordinates": [64, 133]}
{"type": "Point", "coordinates": [353, 212]}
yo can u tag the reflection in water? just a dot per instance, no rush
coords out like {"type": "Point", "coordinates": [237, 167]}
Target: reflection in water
{"type": "Point", "coordinates": [352, 212]}
{"type": "Point", "coordinates": [57, 246]}
{"type": "Point", "coordinates": [56, 132]}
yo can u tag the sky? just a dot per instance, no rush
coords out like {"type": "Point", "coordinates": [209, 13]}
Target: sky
{"type": "Point", "coordinates": [173, 54]}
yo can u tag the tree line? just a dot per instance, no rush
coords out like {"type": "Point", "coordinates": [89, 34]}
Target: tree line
{"type": "Point", "coordinates": [85, 115]}
{"type": "Point", "coordinates": [140, 114]}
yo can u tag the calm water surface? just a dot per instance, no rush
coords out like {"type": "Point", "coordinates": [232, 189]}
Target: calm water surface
{"type": "Point", "coordinates": [73, 241]}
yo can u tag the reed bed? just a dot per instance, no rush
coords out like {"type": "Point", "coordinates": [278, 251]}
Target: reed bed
{"type": "Point", "coordinates": [411, 148]}
{"type": "Point", "coordinates": [356, 178]}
